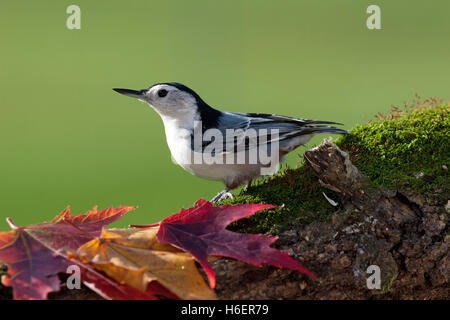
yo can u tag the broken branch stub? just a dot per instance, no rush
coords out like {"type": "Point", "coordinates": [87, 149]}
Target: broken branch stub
{"type": "Point", "coordinates": [335, 170]}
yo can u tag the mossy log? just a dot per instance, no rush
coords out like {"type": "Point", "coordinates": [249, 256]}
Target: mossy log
{"type": "Point", "coordinates": [408, 242]}
{"type": "Point", "coordinates": [391, 203]}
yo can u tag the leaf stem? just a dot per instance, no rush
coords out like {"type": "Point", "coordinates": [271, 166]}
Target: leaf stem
{"type": "Point", "coordinates": [11, 224]}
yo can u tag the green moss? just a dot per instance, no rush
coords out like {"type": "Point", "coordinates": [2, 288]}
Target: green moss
{"type": "Point", "coordinates": [405, 149]}
{"type": "Point", "coordinates": [297, 190]}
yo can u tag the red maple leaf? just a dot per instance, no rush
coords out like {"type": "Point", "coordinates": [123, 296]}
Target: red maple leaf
{"type": "Point", "coordinates": [112, 290]}
{"type": "Point", "coordinates": [35, 254]}
{"type": "Point", "coordinates": [202, 232]}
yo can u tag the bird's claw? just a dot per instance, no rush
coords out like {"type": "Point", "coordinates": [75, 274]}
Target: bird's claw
{"type": "Point", "coordinates": [222, 196]}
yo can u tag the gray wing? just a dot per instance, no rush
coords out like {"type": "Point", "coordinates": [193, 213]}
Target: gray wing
{"type": "Point", "coordinates": [287, 127]}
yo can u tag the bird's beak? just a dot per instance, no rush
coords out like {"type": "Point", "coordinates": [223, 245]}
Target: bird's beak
{"type": "Point", "coordinates": [131, 93]}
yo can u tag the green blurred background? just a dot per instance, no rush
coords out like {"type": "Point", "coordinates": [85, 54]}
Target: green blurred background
{"type": "Point", "coordinates": [67, 139]}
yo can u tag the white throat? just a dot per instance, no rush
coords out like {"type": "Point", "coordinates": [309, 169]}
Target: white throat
{"type": "Point", "coordinates": [178, 128]}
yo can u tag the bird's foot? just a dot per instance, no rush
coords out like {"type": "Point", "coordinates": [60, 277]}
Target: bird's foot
{"type": "Point", "coordinates": [222, 196]}
{"type": "Point", "coordinates": [247, 186]}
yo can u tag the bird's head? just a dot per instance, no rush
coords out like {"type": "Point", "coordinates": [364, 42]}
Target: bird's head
{"type": "Point", "coordinates": [168, 99]}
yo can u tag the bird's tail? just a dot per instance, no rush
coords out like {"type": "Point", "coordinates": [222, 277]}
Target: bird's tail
{"type": "Point", "coordinates": [323, 129]}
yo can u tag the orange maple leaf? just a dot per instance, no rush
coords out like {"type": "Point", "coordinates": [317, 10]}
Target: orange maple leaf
{"type": "Point", "coordinates": [135, 257]}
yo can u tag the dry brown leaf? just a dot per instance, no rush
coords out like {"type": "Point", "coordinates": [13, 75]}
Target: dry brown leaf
{"type": "Point", "coordinates": [135, 257]}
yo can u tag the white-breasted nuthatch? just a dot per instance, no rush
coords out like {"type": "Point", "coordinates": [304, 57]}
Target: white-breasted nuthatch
{"type": "Point", "coordinates": [225, 146]}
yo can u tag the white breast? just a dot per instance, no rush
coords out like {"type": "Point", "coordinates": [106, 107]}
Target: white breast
{"type": "Point", "coordinates": [179, 141]}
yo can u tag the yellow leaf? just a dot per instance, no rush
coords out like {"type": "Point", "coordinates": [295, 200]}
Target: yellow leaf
{"type": "Point", "coordinates": [135, 257]}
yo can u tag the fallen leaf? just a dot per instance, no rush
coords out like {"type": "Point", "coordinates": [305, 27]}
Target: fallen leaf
{"type": "Point", "coordinates": [202, 232]}
{"type": "Point", "coordinates": [35, 254]}
{"type": "Point", "coordinates": [112, 290]}
{"type": "Point", "coordinates": [136, 258]}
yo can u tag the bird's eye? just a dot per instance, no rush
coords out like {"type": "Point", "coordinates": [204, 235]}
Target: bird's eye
{"type": "Point", "coordinates": [162, 93]}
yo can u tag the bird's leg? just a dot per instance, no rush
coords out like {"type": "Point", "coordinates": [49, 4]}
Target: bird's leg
{"type": "Point", "coordinates": [224, 194]}
{"type": "Point", "coordinates": [248, 185]}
